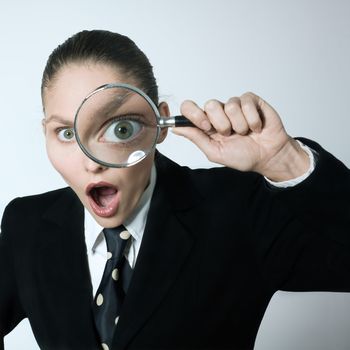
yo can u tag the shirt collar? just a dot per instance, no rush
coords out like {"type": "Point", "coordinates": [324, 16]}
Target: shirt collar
{"type": "Point", "coordinates": [135, 223]}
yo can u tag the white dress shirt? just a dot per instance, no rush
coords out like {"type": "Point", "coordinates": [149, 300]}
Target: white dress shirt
{"type": "Point", "coordinates": [135, 224]}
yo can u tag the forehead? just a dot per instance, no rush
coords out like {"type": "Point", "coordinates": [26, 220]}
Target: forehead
{"type": "Point", "coordinates": [73, 83]}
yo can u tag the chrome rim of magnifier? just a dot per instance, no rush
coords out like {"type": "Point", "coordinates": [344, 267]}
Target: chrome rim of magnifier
{"type": "Point", "coordinates": [110, 86]}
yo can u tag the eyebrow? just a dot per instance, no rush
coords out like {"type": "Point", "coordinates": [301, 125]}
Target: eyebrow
{"type": "Point", "coordinates": [111, 106]}
{"type": "Point", "coordinates": [58, 118]}
{"type": "Point", "coordinates": [115, 103]}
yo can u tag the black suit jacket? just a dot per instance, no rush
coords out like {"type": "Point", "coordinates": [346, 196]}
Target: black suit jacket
{"type": "Point", "coordinates": [217, 245]}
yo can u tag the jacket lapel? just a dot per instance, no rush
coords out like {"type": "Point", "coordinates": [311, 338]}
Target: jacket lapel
{"type": "Point", "coordinates": [64, 224]}
{"type": "Point", "coordinates": [63, 227]}
{"type": "Point", "coordinates": [165, 246]}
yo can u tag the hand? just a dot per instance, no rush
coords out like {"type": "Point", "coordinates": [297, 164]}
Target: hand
{"type": "Point", "coordinates": [246, 134]}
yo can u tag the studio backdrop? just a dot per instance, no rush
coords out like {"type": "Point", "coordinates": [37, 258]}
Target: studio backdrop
{"type": "Point", "coordinates": [295, 54]}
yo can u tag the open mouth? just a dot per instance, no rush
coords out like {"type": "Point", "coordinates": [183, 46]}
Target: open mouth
{"type": "Point", "coordinates": [103, 199]}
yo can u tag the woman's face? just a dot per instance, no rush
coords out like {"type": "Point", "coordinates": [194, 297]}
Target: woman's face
{"type": "Point", "coordinates": [109, 194]}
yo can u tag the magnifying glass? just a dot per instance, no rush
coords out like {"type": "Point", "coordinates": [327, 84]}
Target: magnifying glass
{"type": "Point", "coordinates": [117, 125]}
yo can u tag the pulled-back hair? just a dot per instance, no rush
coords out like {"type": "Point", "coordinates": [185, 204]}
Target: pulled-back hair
{"type": "Point", "coordinates": [101, 46]}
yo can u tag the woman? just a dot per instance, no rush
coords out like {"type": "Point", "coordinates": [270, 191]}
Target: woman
{"type": "Point", "coordinates": [206, 249]}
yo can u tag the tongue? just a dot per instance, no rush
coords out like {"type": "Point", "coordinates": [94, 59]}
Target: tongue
{"type": "Point", "coordinates": [105, 195]}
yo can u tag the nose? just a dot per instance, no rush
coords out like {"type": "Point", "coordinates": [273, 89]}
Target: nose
{"type": "Point", "coordinates": [93, 167]}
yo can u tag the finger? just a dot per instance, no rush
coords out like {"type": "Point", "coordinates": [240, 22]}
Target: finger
{"type": "Point", "coordinates": [195, 114]}
{"type": "Point", "coordinates": [199, 138]}
{"type": "Point", "coordinates": [215, 112]}
{"type": "Point", "coordinates": [267, 113]}
{"type": "Point", "coordinates": [234, 112]}
{"type": "Point", "coordinates": [250, 109]}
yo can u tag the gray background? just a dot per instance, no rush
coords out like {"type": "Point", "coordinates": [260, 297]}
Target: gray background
{"type": "Point", "coordinates": [295, 54]}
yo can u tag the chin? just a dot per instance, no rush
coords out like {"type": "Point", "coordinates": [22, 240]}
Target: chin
{"type": "Point", "coordinates": [110, 222]}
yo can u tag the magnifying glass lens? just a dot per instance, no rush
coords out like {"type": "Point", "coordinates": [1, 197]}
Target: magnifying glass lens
{"type": "Point", "coordinates": [116, 126]}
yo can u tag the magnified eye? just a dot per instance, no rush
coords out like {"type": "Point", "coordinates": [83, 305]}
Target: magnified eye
{"type": "Point", "coordinates": [122, 131]}
{"type": "Point", "coordinates": [66, 134]}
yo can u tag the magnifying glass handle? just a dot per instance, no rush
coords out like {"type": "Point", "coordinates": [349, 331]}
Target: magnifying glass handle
{"type": "Point", "coordinates": [171, 122]}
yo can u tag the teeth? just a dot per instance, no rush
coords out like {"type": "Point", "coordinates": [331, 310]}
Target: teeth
{"type": "Point", "coordinates": [106, 191]}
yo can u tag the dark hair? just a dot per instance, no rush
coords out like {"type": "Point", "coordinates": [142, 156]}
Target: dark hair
{"type": "Point", "coordinates": [101, 46]}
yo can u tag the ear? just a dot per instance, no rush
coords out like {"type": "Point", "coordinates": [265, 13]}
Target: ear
{"type": "Point", "coordinates": [164, 111]}
{"type": "Point", "coordinates": [43, 124]}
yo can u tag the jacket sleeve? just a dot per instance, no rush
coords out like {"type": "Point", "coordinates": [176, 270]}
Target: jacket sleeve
{"type": "Point", "coordinates": [304, 235]}
{"type": "Point", "coordinates": [11, 311]}
{"type": "Point", "coordinates": [322, 201]}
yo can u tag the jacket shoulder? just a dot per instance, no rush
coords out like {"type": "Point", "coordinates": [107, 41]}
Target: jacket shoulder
{"type": "Point", "coordinates": [216, 180]}
{"type": "Point", "coordinates": [38, 201]}
{"type": "Point", "coordinates": [25, 210]}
